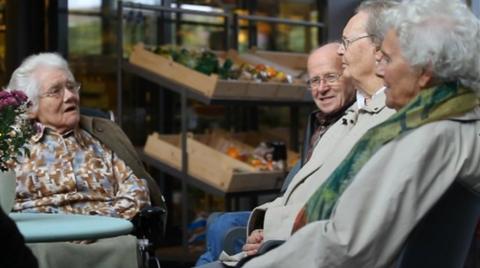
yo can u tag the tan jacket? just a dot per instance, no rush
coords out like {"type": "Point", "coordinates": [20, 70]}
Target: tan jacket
{"type": "Point", "coordinates": [276, 217]}
{"type": "Point", "coordinates": [386, 199]}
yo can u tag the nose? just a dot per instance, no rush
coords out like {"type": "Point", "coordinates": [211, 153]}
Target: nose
{"type": "Point", "coordinates": [380, 70]}
{"type": "Point", "coordinates": [67, 95]}
{"type": "Point", "coordinates": [380, 66]}
{"type": "Point", "coordinates": [340, 50]}
{"type": "Point", "coordinates": [323, 87]}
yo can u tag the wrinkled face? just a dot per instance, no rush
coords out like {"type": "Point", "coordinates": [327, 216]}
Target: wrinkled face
{"type": "Point", "coordinates": [324, 66]}
{"type": "Point", "coordinates": [402, 81]}
{"type": "Point", "coordinates": [57, 106]}
{"type": "Point", "coordinates": [357, 50]}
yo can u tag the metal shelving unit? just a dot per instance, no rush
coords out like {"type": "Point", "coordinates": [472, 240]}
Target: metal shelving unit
{"type": "Point", "coordinates": [231, 27]}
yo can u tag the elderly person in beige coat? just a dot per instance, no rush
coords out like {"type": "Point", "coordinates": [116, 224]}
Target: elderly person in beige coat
{"type": "Point", "coordinates": [333, 94]}
{"type": "Point", "coordinates": [274, 220]}
{"type": "Point", "coordinates": [363, 213]}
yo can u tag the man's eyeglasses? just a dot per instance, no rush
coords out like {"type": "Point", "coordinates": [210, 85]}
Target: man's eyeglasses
{"type": "Point", "coordinates": [347, 42]}
{"type": "Point", "coordinates": [58, 91]}
{"type": "Point", "coordinates": [315, 81]}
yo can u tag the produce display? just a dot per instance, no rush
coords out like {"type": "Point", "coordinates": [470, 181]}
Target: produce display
{"type": "Point", "coordinates": [208, 62]}
{"type": "Point", "coordinates": [262, 157]}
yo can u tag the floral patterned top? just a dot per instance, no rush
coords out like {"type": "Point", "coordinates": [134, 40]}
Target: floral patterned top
{"type": "Point", "coordinates": [75, 173]}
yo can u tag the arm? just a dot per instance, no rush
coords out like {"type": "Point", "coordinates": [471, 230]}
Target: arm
{"type": "Point", "coordinates": [390, 194]}
{"type": "Point", "coordinates": [132, 193]}
{"type": "Point", "coordinates": [258, 214]}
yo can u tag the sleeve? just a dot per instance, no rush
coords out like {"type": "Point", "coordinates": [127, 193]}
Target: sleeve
{"type": "Point", "coordinates": [257, 217]}
{"type": "Point", "coordinates": [14, 252]}
{"type": "Point", "coordinates": [132, 193]}
{"type": "Point", "coordinates": [375, 214]}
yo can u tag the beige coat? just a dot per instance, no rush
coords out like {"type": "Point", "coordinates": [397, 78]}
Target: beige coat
{"type": "Point", "coordinates": [385, 200]}
{"type": "Point", "coordinates": [276, 217]}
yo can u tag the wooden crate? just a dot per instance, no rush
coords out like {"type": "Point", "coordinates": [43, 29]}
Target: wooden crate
{"type": "Point", "coordinates": [249, 140]}
{"type": "Point", "coordinates": [211, 166]}
{"type": "Point", "coordinates": [210, 85]}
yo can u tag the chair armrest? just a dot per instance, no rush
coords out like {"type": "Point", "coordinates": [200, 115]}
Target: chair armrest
{"type": "Point", "coordinates": [264, 248]}
{"type": "Point", "coordinates": [233, 235]}
{"type": "Point", "coordinates": [269, 245]}
{"type": "Point", "coordinates": [150, 223]}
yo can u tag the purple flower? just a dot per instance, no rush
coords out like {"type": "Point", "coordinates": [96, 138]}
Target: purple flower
{"type": "Point", "coordinates": [19, 96]}
{"type": "Point", "coordinates": [12, 98]}
{"type": "Point", "coordinates": [4, 94]}
{"type": "Point", "coordinates": [8, 101]}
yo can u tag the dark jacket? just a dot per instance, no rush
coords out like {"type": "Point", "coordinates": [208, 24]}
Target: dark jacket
{"type": "Point", "coordinates": [113, 136]}
{"type": "Point", "coordinates": [13, 251]}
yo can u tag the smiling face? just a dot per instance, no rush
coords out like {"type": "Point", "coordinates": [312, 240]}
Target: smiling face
{"type": "Point", "coordinates": [402, 81]}
{"type": "Point", "coordinates": [329, 97]}
{"type": "Point", "coordinates": [59, 113]}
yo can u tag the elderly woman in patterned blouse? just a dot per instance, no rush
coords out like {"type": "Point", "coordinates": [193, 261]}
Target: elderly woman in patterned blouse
{"type": "Point", "coordinates": [69, 170]}
{"type": "Point", "coordinates": [77, 164]}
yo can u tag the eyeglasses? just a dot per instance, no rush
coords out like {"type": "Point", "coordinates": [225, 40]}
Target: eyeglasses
{"type": "Point", "coordinates": [330, 78]}
{"type": "Point", "coordinates": [347, 42]}
{"type": "Point", "coordinates": [58, 91]}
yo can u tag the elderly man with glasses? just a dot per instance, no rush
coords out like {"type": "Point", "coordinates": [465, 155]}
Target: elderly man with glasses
{"type": "Point", "coordinates": [332, 94]}
{"type": "Point", "coordinates": [76, 165]}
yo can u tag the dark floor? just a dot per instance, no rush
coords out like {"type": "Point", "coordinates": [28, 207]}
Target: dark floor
{"type": "Point", "coordinates": [175, 257]}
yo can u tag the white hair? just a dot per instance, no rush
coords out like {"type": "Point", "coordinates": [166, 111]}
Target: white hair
{"type": "Point", "coordinates": [23, 78]}
{"type": "Point", "coordinates": [374, 8]}
{"type": "Point", "coordinates": [440, 34]}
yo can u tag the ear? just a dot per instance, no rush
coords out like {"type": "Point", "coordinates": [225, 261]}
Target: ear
{"type": "Point", "coordinates": [426, 77]}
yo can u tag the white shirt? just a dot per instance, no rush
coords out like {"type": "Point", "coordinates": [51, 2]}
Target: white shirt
{"type": "Point", "coordinates": [361, 100]}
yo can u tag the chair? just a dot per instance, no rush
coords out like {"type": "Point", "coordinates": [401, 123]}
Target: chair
{"type": "Point", "coordinates": [444, 235]}
{"type": "Point", "coordinates": [149, 224]}
{"type": "Point", "coordinates": [441, 239]}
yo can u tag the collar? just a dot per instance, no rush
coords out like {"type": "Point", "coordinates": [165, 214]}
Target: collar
{"type": "Point", "coordinates": [44, 130]}
{"type": "Point", "coordinates": [376, 104]}
{"type": "Point", "coordinates": [322, 119]}
{"type": "Point", "coordinates": [361, 100]}
{"type": "Point", "coordinates": [473, 115]}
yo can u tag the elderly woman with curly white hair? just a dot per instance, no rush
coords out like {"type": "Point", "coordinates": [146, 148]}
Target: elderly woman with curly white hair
{"type": "Point", "coordinates": [76, 165]}
{"type": "Point", "coordinates": [362, 215]}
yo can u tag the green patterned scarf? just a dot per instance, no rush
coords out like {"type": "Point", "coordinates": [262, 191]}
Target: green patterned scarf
{"type": "Point", "coordinates": [430, 105]}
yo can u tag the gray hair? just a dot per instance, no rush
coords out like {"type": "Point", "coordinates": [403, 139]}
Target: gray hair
{"type": "Point", "coordinates": [374, 8]}
{"type": "Point", "coordinates": [440, 34]}
{"type": "Point", "coordinates": [23, 77]}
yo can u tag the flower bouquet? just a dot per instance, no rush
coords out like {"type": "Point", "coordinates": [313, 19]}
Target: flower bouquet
{"type": "Point", "coordinates": [15, 130]}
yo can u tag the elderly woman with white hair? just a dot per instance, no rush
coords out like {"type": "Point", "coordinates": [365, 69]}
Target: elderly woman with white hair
{"type": "Point", "coordinates": [76, 165]}
{"type": "Point", "coordinates": [362, 215]}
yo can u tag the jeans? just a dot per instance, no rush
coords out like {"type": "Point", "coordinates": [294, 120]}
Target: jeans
{"type": "Point", "coordinates": [216, 231]}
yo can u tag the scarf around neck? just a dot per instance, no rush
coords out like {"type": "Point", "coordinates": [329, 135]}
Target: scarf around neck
{"type": "Point", "coordinates": [433, 104]}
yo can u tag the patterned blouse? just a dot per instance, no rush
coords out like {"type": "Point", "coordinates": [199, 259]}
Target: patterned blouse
{"type": "Point", "coordinates": [75, 173]}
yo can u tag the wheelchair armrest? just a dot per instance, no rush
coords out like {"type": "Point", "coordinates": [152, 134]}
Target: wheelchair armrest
{"type": "Point", "coordinates": [264, 248]}
{"type": "Point", "coordinates": [269, 245]}
{"type": "Point", "coordinates": [150, 223]}
{"type": "Point", "coordinates": [232, 236]}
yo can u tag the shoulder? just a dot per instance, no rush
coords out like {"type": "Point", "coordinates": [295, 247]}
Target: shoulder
{"type": "Point", "coordinates": [96, 124]}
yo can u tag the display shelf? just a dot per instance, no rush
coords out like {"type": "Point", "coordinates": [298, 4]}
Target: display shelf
{"type": "Point", "coordinates": [230, 202]}
{"type": "Point", "coordinates": [191, 94]}
{"type": "Point", "coordinates": [231, 26]}
{"type": "Point", "coordinates": [212, 87]}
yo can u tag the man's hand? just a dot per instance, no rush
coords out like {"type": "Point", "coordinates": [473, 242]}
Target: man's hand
{"type": "Point", "coordinates": [254, 240]}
